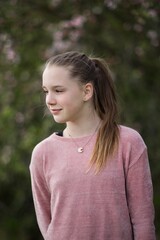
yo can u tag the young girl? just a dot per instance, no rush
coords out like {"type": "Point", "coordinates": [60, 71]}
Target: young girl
{"type": "Point", "coordinates": [92, 181]}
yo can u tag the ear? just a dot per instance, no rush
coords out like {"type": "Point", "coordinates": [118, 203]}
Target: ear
{"type": "Point", "coordinates": [87, 91]}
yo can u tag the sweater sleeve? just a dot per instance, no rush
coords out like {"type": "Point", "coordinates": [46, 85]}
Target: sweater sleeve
{"type": "Point", "coordinates": [140, 192]}
{"type": "Point", "coordinates": [40, 192]}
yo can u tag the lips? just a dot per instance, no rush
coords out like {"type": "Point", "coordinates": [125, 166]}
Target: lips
{"type": "Point", "coordinates": [55, 111]}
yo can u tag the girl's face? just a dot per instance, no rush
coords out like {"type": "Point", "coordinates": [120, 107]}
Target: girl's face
{"type": "Point", "coordinates": [65, 96]}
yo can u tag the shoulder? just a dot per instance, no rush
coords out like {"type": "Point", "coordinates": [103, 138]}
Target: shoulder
{"type": "Point", "coordinates": [132, 146]}
{"type": "Point", "coordinates": [42, 146]}
{"type": "Point", "coordinates": [39, 153]}
{"type": "Point", "coordinates": [129, 137]}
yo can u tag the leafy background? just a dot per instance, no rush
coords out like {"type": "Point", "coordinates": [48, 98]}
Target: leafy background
{"type": "Point", "coordinates": [126, 33]}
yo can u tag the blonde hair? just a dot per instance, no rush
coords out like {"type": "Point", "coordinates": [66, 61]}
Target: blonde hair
{"type": "Point", "coordinates": [96, 71]}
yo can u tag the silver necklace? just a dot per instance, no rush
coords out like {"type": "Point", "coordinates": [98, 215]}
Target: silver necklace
{"type": "Point", "coordinates": [80, 149]}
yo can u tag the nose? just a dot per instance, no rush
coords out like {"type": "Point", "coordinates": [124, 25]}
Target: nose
{"type": "Point", "coordinates": [50, 99]}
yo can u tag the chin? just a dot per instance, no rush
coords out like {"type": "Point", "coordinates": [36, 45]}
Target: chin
{"type": "Point", "coordinates": [59, 120]}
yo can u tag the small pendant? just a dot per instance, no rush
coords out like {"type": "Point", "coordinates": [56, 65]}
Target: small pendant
{"type": "Point", "coordinates": [80, 149]}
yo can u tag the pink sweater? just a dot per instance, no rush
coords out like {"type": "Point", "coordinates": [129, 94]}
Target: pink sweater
{"type": "Point", "coordinates": [70, 204]}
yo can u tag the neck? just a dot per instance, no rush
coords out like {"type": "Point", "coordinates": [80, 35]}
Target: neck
{"type": "Point", "coordinates": [83, 128]}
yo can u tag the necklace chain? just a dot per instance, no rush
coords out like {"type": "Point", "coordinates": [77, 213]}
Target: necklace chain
{"type": "Point", "coordinates": [80, 149]}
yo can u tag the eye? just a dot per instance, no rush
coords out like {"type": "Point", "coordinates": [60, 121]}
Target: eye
{"type": "Point", "coordinates": [45, 91]}
{"type": "Point", "coordinates": [58, 91]}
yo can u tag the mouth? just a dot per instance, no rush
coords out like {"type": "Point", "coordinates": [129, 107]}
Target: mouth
{"type": "Point", "coordinates": [55, 111]}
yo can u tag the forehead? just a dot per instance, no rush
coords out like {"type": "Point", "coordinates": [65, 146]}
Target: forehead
{"type": "Point", "coordinates": [56, 72]}
{"type": "Point", "coordinates": [57, 75]}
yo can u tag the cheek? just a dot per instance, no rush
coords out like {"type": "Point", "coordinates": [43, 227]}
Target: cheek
{"type": "Point", "coordinates": [47, 101]}
{"type": "Point", "coordinates": [75, 105]}
{"type": "Point", "coordinates": [65, 100]}
{"type": "Point", "coordinates": [70, 100]}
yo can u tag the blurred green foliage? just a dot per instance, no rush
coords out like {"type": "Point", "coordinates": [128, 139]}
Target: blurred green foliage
{"type": "Point", "coordinates": [125, 33]}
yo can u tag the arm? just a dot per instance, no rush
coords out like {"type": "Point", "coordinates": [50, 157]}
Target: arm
{"type": "Point", "coordinates": [40, 192]}
{"type": "Point", "coordinates": [140, 198]}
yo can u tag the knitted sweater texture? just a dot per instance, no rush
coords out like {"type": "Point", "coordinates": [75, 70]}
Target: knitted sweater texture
{"type": "Point", "coordinates": [70, 204]}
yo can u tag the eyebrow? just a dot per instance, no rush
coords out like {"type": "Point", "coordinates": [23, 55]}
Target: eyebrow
{"type": "Point", "coordinates": [53, 87]}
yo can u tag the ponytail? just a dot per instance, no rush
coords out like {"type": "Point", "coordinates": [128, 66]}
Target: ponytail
{"type": "Point", "coordinates": [105, 103]}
